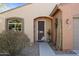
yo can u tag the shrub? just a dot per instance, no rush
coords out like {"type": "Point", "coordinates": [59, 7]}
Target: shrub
{"type": "Point", "coordinates": [12, 42]}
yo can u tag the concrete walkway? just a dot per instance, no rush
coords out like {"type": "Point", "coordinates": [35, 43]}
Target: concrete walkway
{"type": "Point", "coordinates": [76, 51]}
{"type": "Point", "coordinates": [45, 49]}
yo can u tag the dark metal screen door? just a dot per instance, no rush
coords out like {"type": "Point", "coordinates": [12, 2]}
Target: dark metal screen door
{"type": "Point", "coordinates": [40, 29]}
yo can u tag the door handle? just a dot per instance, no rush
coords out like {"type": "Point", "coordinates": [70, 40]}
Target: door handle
{"type": "Point", "coordinates": [41, 32]}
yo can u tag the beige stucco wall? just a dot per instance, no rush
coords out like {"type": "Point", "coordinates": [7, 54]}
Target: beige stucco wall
{"type": "Point", "coordinates": [48, 27]}
{"type": "Point", "coordinates": [2, 23]}
{"type": "Point", "coordinates": [28, 13]}
{"type": "Point", "coordinates": [68, 12]}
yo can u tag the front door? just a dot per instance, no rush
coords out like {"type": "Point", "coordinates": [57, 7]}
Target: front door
{"type": "Point", "coordinates": [40, 30]}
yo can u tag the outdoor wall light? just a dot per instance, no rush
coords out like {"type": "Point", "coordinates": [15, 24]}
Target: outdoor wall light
{"type": "Point", "coordinates": [67, 21]}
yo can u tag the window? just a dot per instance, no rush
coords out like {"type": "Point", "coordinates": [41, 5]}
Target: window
{"type": "Point", "coordinates": [15, 24]}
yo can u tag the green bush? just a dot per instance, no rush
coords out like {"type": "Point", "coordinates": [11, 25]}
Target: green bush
{"type": "Point", "coordinates": [12, 42]}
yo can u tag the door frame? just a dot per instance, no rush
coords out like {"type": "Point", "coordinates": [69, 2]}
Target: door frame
{"type": "Point", "coordinates": [36, 27]}
{"type": "Point", "coordinates": [43, 18]}
{"type": "Point", "coordinates": [44, 29]}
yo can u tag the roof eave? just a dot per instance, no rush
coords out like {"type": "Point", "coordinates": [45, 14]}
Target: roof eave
{"type": "Point", "coordinates": [54, 10]}
{"type": "Point", "coordinates": [15, 8]}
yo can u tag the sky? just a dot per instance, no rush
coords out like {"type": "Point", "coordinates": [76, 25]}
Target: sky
{"type": "Point", "coordinates": [8, 6]}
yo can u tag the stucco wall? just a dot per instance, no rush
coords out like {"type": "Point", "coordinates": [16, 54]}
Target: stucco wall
{"type": "Point", "coordinates": [48, 27]}
{"type": "Point", "coordinates": [68, 12]}
{"type": "Point", "coordinates": [28, 13]}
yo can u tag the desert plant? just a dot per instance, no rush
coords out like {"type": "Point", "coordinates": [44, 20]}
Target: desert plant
{"type": "Point", "coordinates": [49, 35]}
{"type": "Point", "coordinates": [12, 42]}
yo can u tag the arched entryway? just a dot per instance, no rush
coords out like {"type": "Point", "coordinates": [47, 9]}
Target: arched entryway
{"type": "Point", "coordinates": [42, 28]}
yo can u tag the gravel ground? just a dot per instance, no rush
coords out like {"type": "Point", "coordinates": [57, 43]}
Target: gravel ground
{"type": "Point", "coordinates": [62, 53]}
{"type": "Point", "coordinates": [30, 51]}
{"type": "Point", "coordinates": [65, 53]}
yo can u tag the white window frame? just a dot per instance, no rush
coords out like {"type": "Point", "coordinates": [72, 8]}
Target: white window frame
{"type": "Point", "coordinates": [14, 25]}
